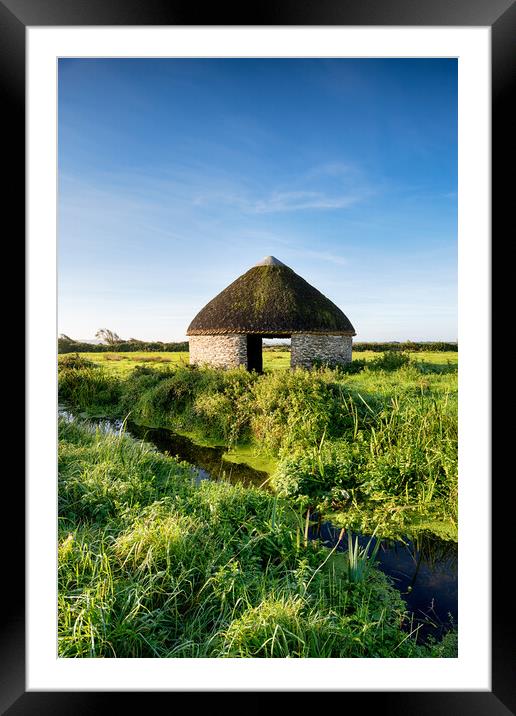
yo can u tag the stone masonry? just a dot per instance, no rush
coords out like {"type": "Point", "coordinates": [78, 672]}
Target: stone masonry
{"type": "Point", "coordinates": [307, 346]}
{"type": "Point", "coordinates": [227, 351]}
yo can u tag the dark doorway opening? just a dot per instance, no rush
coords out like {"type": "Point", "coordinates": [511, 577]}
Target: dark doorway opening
{"type": "Point", "coordinates": [254, 353]}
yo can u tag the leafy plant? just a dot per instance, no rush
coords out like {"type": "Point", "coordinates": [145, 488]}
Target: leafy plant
{"type": "Point", "coordinates": [391, 360]}
{"type": "Point", "coordinates": [359, 560]}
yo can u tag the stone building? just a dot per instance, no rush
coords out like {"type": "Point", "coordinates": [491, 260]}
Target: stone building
{"type": "Point", "coordinates": [269, 301]}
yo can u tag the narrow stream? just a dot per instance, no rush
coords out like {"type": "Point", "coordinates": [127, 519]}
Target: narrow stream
{"type": "Point", "coordinates": [423, 569]}
{"type": "Point", "coordinates": [208, 460]}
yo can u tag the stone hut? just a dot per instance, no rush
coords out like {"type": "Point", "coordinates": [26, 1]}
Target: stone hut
{"type": "Point", "coordinates": [269, 301]}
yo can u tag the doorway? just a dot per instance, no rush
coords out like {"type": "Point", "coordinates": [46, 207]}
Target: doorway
{"type": "Point", "coordinates": [254, 353]}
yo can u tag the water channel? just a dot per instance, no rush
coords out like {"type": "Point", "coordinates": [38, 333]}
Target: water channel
{"type": "Point", "coordinates": [423, 569]}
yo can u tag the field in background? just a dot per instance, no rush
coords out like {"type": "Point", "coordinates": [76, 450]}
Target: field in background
{"type": "Point", "coordinates": [121, 364]}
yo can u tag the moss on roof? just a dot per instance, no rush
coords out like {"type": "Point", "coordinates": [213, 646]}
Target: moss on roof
{"type": "Point", "coordinates": [270, 299]}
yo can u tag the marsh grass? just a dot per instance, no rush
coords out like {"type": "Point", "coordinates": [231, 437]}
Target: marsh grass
{"type": "Point", "coordinates": [152, 564]}
{"type": "Point", "coordinates": [384, 438]}
{"type": "Point", "coordinates": [359, 559]}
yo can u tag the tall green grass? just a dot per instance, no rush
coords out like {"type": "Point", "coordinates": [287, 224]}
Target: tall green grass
{"type": "Point", "coordinates": [359, 559]}
{"type": "Point", "coordinates": [152, 564]}
{"type": "Point", "coordinates": [85, 386]}
{"type": "Point", "coordinates": [386, 436]}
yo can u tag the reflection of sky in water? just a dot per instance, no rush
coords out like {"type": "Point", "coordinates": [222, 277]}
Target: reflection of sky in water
{"type": "Point", "coordinates": [425, 571]}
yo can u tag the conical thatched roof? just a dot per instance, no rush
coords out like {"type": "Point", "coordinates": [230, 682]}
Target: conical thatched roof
{"type": "Point", "coordinates": [271, 300]}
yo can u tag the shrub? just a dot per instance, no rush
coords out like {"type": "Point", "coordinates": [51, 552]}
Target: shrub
{"type": "Point", "coordinates": [322, 476]}
{"type": "Point", "coordinates": [390, 360]}
{"type": "Point", "coordinates": [87, 388]}
{"type": "Point", "coordinates": [295, 409]}
{"type": "Point", "coordinates": [356, 366]}
{"type": "Point", "coordinates": [172, 395]}
{"type": "Point", "coordinates": [135, 387]}
{"type": "Point", "coordinates": [73, 361]}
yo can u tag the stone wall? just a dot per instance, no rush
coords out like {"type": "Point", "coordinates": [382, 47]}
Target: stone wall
{"type": "Point", "coordinates": [220, 351]}
{"type": "Point", "coordinates": [307, 346]}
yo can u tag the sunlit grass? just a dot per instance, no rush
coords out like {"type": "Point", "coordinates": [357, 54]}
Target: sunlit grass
{"type": "Point", "coordinates": [385, 436]}
{"type": "Point", "coordinates": [121, 364]}
{"type": "Point", "coordinates": [152, 564]}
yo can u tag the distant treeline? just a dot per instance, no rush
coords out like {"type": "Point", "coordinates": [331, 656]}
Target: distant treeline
{"type": "Point", "coordinates": [409, 346]}
{"type": "Point", "coordinates": [415, 347]}
{"type": "Point", "coordinates": [68, 345]}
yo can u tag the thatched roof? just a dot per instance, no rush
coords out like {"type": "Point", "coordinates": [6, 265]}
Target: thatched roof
{"type": "Point", "coordinates": [271, 300]}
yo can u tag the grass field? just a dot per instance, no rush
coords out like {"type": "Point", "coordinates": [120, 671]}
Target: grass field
{"type": "Point", "coordinates": [121, 364]}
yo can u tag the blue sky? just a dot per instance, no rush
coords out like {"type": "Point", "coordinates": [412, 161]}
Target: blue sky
{"type": "Point", "coordinates": [177, 175]}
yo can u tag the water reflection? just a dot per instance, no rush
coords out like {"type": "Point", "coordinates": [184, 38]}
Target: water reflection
{"type": "Point", "coordinates": [424, 569]}
{"type": "Point", "coordinates": [209, 459]}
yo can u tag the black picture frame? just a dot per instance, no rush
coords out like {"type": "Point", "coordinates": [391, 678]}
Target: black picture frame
{"type": "Point", "coordinates": [500, 16]}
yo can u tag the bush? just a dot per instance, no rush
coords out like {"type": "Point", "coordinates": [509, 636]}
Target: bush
{"type": "Point", "coordinates": [295, 409]}
{"type": "Point", "coordinates": [216, 412]}
{"type": "Point", "coordinates": [172, 395]}
{"type": "Point", "coordinates": [356, 366]}
{"type": "Point", "coordinates": [135, 387]}
{"type": "Point", "coordinates": [73, 361]}
{"type": "Point", "coordinates": [321, 477]}
{"type": "Point", "coordinates": [390, 360]}
{"type": "Point", "coordinates": [88, 388]}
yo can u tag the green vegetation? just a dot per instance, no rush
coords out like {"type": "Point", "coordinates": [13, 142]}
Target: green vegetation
{"type": "Point", "coordinates": [409, 346]}
{"type": "Point", "coordinates": [121, 364]}
{"type": "Point", "coordinates": [405, 346]}
{"type": "Point", "coordinates": [377, 445]}
{"type": "Point", "coordinates": [112, 342]}
{"type": "Point", "coordinates": [359, 561]}
{"type": "Point", "coordinates": [152, 564]}
{"type": "Point", "coordinates": [274, 358]}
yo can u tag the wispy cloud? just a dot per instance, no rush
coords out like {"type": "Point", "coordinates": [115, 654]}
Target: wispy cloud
{"type": "Point", "coordinates": [330, 186]}
{"type": "Point", "coordinates": [326, 187]}
{"type": "Point", "coordinates": [299, 200]}
{"type": "Point", "coordinates": [280, 201]}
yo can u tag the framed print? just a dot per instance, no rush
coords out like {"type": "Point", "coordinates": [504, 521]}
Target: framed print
{"type": "Point", "coordinates": [200, 181]}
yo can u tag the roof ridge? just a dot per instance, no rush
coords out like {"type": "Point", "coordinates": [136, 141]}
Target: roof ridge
{"type": "Point", "coordinates": [270, 261]}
